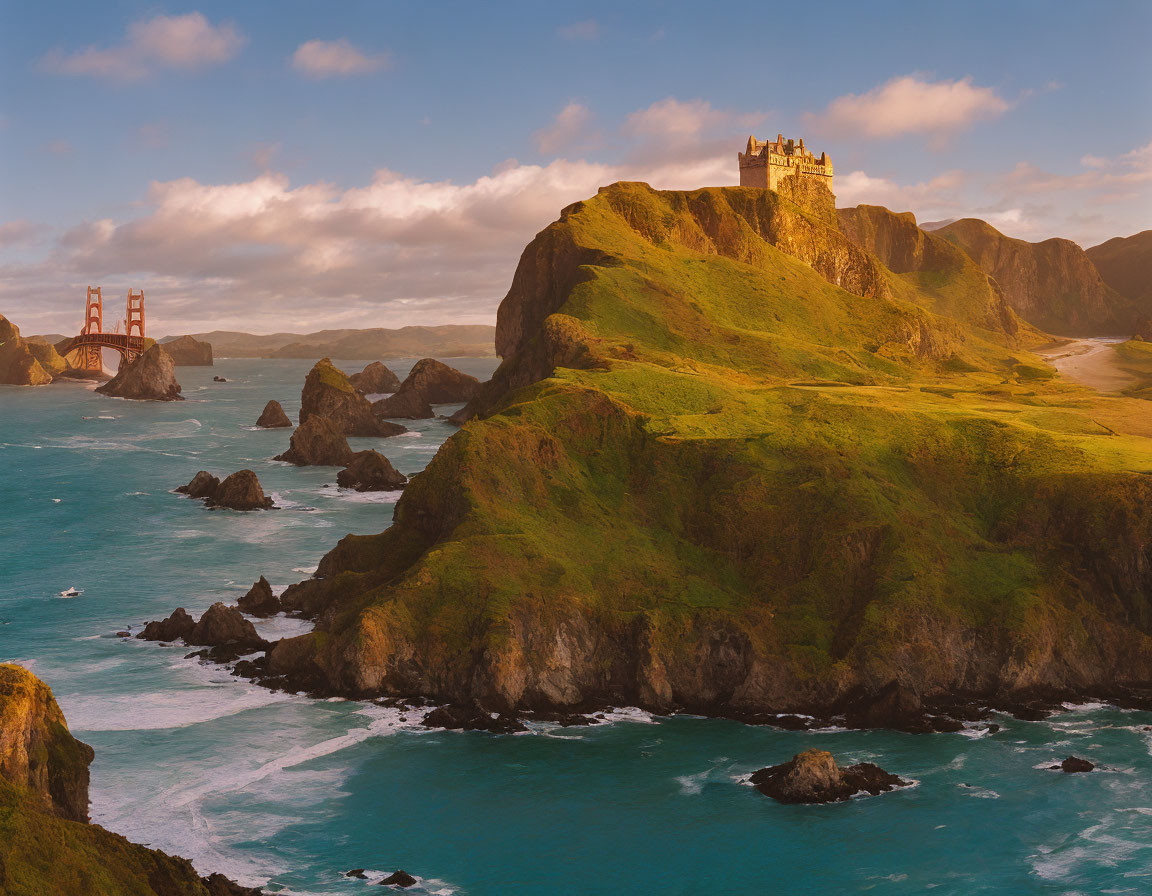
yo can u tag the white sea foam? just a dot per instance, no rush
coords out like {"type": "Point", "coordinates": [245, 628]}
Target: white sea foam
{"type": "Point", "coordinates": [281, 626]}
{"type": "Point", "coordinates": [305, 570]}
{"type": "Point", "coordinates": [355, 497]}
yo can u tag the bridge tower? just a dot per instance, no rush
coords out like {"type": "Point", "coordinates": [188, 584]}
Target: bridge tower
{"type": "Point", "coordinates": [89, 355]}
{"type": "Point", "coordinates": [134, 325]}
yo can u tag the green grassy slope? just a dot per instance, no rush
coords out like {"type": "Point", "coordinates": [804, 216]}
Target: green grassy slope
{"type": "Point", "coordinates": [744, 487]}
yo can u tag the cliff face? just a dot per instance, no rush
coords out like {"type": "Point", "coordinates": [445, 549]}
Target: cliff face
{"type": "Point", "coordinates": [906, 249]}
{"type": "Point", "coordinates": [708, 477]}
{"type": "Point", "coordinates": [1125, 264]}
{"type": "Point", "coordinates": [46, 846]}
{"type": "Point", "coordinates": [19, 364]}
{"type": "Point", "coordinates": [1052, 284]}
{"type": "Point", "coordinates": [189, 352]}
{"type": "Point", "coordinates": [36, 749]}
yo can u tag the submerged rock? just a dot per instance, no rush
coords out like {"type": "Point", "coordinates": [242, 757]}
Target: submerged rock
{"type": "Point", "coordinates": [189, 352]}
{"type": "Point", "coordinates": [357, 873]}
{"type": "Point", "coordinates": [375, 379]}
{"type": "Point", "coordinates": [273, 416]}
{"type": "Point", "coordinates": [178, 625]}
{"type": "Point", "coordinates": [222, 626]}
{"type": "Point", "coordinates": [328, 393]}
{"type": "Point", "coordinates": [455, 717]}
{"type": "Point", "coordinates": [219, 379]}
{"type": "Point", "coordinates": [151, 377]}
{"type": "Point", "coordinates": [371, 471]}
{"type": "Point", "coordinates": [203, 485]}
{"type": "Point", "coordinates": [240, 491]}
{"type": "Point", "coordinates": [399, 878]}
{"type": "Point", "coordinates": [814, 777]}
{"type": "Point", "coordinates": [259, 601]}
{"type": "Point", "coordinates": [316, 442]}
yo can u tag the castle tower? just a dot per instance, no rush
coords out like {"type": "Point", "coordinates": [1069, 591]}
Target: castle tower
{"type": "Point", "coordinates": [765, 165]}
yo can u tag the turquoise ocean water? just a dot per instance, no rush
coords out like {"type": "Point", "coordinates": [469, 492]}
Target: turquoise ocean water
{"type": "Point", "coordinates": [289, 792]}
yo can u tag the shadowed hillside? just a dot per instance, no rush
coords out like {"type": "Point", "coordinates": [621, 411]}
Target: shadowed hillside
{"type": "Point", "coordinates": [1125, 263]}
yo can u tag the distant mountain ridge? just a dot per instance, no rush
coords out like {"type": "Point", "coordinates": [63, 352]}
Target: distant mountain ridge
{"type": "Point", "coordinates": [1125, 263]}
{"type": "Point", "coordinates": [1052, 284]}
{"type": "Point", "coordinates": [446, 341]}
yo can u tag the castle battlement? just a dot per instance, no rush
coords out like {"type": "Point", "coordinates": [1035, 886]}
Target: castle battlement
{"type": "Point", "coordinates": [765, 164]}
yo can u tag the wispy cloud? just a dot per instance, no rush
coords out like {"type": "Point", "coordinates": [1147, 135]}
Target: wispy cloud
{"type": "Point", "coordinates": [59, 148]}
{"type": "Point", "coordinates": [336, 59]}
{"type": "Point", "coordinates": [910, 105]}
{"type": "Point", "coordinates": [569, 127]}
{"type": "Point", "coordinates": [185, 42]}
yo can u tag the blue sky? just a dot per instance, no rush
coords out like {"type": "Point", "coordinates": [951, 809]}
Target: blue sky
{"type": "Point", "coordinates": [291, 165]}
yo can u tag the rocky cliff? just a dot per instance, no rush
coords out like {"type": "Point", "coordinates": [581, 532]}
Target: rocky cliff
{"type": "Point", "coordinates": [150, 377]}
{"type": "Point", "coordinates": [1052, 284]}
{"type": "Point", "coordinates": [189, 352]}
{"type": "Point", "coordinates": [46, 845]}
{"type": "Point", "coordinates": [1125, 264]}
{"type": "Point", "coordinates": [19, 361]}
{"type": "Point", "coordinates": [733, 463]}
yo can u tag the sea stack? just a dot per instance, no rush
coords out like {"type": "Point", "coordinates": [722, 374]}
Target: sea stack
{"type": "Point", "coordinates": [814, 777]}
{"type": "Point", "coordinates": [328, 393]}
{"type": "Point", "coordinates": [316, 442]}
{"type": "Point", "coordinates": [371, 471]}
{"type": "Point", "coordinates": [150, 377]}
{"type": "Point", "coordinates": [273, 416]}
{"type": "Point", "coordinates": [375, 379]}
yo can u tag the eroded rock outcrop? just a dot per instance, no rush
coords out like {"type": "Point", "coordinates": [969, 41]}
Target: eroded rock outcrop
{"type": "Point", "coordinates": [317, 442]}
{"type": "Point", "coordinates": [375, 379]}
{"type": "Point", "coordinates": [224, 626]}
{"type": "Point", "coordinates": [259, 601]}
{"type": "Point", "coordinates": [151, 377]}
{"type": "Point", "coordinates": [37, 752]}
{"type": "Point", "coordinates": [203, 485]}
{"type": "Point", "coordinates": [328, 393]}
{"type": "Point", "coordinates": [814, 777]}
{"type": "Point", "coordinates": [371, 471]}
{"type": "Point", "coordinates": [240, 491]}
{"type": "Point", "coordinates": [189, 352]}
{"type": "Point", "coordinates": [19, 365]}
{"type": "Point", "coordinates": [430, 382]}
{"type": "Point", "coordinates": [273, 416]}
{"type": "Point", "coordinates": [178, 625]}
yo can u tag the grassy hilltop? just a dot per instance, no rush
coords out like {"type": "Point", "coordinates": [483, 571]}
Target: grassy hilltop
{"type": "Point", "coordinates": [733, 462]}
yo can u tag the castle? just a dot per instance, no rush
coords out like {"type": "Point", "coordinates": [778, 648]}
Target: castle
{"type": "Point", "coordinates": [767, 164]}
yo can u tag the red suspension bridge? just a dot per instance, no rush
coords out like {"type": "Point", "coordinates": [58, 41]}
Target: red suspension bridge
{"type": "Point", "coordinates": [130, 344]}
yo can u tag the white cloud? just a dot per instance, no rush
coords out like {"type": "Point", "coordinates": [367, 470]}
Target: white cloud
{"type": "Point", "coordinates": [184, 42]}
{"type": "Point", "coordinates": [910, 105]}
{"type": "Point", "coordinates": [570, 126]}
{"type": "Point", "coordinates": [336, 58]}
{"type": "Point", "coordinates": [936, 196]}
{"type": "Point", "coordinates": [589, 29]}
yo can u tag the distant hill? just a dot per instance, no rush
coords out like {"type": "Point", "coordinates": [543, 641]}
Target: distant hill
{"type": "Point", "coordinates": [1125, 263]}
{"type": "Point", "coordinates": [1051, 284]}
{"type": "Point", "coordinates": [447, 341]}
